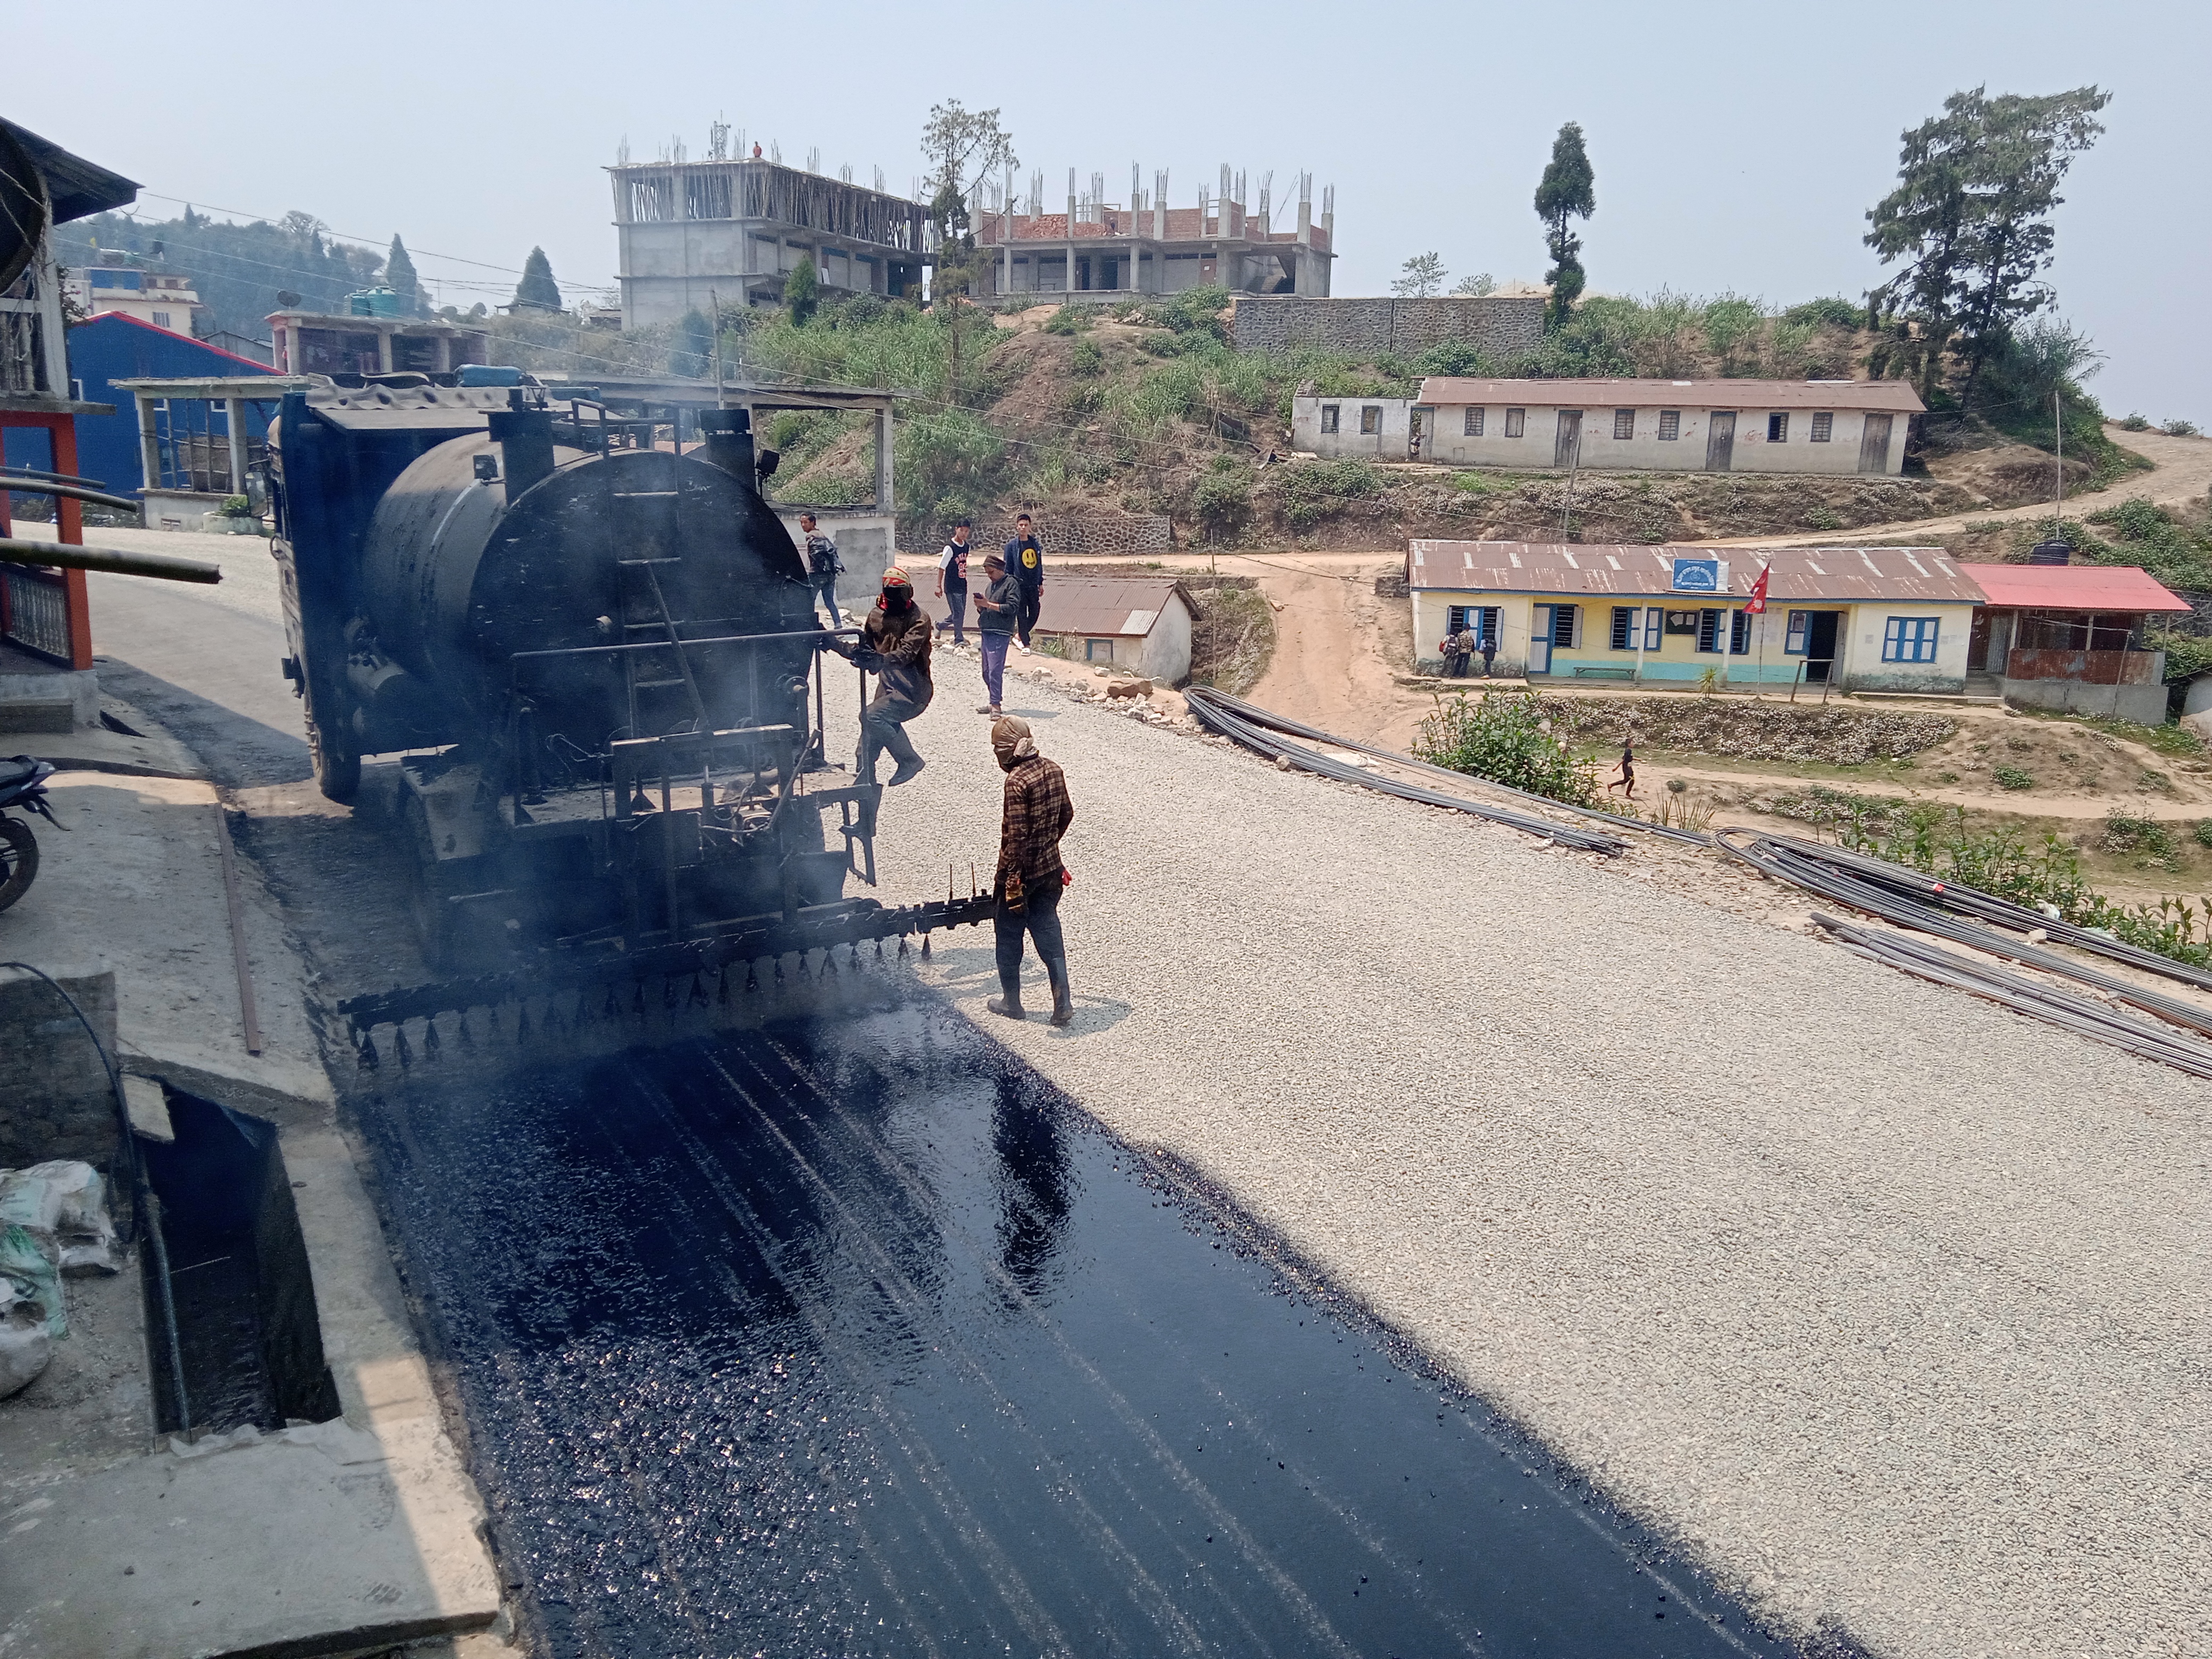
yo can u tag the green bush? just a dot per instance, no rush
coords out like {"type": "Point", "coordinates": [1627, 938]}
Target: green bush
{"type": "Point", "coordinates": [1824, 518]}
{"type": "Point", "coordinates": [1500, 736]}
{"type": "Point", "coordinates": [1223, 499]}
{"type": "Point", "coordinates": [236, 507]}
{"type": "Point", "coordinates": [2134, 423]}
{"type": "Point", "coordinates": [1313, 490]}
{"type": "Point", "coordinates": [1069, 319]}
{"type": "Point", "coordinates": [2178, 429]}
{"type": "Point", "coordinates": [2011, 777]}
{"type": "Point", "coordinates": [2146, 838]}
{"type": "Point", "coordinates": [2204, 833]}
{"type": "Point", "coordinates": [1828, 312]}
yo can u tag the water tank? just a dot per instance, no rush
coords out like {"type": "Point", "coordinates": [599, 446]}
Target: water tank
{"type": "Point", "coordinates": [2051, 552]}
{"type": "Point", "coordinates": [374, 302]}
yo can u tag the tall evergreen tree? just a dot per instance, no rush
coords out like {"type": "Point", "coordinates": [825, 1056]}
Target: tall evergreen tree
{"type": "Point", "coordinates": [1976, 187]}
{"type": "Point", "coordinates": [1567, 190]}
{"type": "Point", "coordinates": [801, 289]}
{"type": "Point", "coordinates": [538, 291]}
{"type": "Point", "coordinates": [399, 276]}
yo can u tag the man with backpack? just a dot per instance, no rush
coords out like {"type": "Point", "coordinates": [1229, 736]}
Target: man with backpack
{"type": "Point", "coordinates": [823, 567]}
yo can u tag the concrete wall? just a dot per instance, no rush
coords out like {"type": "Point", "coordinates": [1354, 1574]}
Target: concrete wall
{"type": "Point", "coordinates": [864, 540]}
{"type": "Point", "coordinates": [1505, 326]}
{"type": "Point", "coordinates": [1449, 443]}
{"type": "Point", "coordinates": [1166, 655]}
{"type": "Point", "coordinates": [2145, 705]}
{"type": "Point", "coordinates": [1392, 443]}
{"type": "Point", "coordinates": [56, 1100]}
{"type": "Point", "coordinates": [1678, 661]}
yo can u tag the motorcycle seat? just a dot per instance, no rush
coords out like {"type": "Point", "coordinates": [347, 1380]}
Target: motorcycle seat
{"type": "Point", "coordinates": [16, 768]}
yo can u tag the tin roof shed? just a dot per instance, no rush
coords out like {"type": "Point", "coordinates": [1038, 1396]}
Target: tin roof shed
{"type": "Point", "coordinates": [1816, 575]}
{"type": "Point", "coordinates": [2073, 587]}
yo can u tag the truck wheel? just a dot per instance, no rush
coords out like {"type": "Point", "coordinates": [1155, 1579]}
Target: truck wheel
{"type": "Point", "coordinates": [338, 772]}
{"type": "Point", "coordinates": [19, 861]}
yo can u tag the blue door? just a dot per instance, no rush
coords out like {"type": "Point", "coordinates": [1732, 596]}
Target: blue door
{"type": "Point", "coordinates": [1540, 640]}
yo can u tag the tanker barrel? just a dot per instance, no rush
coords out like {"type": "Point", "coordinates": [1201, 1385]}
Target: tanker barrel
{"type": "Point", "coordinates": [525, 439]}
{"type": "Point", "coordinates": [109, 559]}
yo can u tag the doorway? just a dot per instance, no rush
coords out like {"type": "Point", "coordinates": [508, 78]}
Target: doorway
{"type": "Point", "coordinates": [1820, 629]}
{"type": "Point", "coordinates": [1978, 643]}
{"type": "Point", "coordinates": [1873, 446]}
{"type": "Point", "coordinates": [1720, 442]}
{"type": "Point", "coordinates": [1567, 449]}
{"type": "Point", "coordinates": [1539, 640]}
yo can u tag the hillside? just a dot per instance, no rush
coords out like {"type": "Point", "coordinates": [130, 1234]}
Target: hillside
{"type": "Point", "coordinates": [1077, 413]}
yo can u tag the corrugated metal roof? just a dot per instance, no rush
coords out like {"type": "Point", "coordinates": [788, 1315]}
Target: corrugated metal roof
{"type": "Point", "coordinates": [1831, 575]}
{"type": "Point", "coordinates": [1101, 607]}
{"type": "Point", "coordinates": [75, 186]}
{"type": "Point", "coordinates": [2074, 587]}
{"type": "Point", "coordinates": [1442, 390]}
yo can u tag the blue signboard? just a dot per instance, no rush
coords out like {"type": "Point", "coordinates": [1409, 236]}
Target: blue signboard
{"type": "Point", "coordinates": [1697, 575]}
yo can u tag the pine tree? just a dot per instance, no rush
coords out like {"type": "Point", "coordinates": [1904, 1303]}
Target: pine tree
{"type": "Point", "coordinates": [1567, 190]}
{"type": "Point", "coordinates": [538, 291]}
{"type": "Point", "coordinates": [399, 276]}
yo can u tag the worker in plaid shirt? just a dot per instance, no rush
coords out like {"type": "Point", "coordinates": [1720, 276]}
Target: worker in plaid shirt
{"type": "Point", "coordinates": [1030, 876]}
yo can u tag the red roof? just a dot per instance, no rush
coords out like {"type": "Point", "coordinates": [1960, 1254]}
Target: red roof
{"type": "Point", "coordinates": [2072, 587]}
{"type": "Point", "coordinates": [139, 322]}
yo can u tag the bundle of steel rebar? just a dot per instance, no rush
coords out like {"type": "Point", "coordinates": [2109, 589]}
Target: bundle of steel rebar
{"type": "Point", "coordinates": [2078, 1014]}
{"type": "Point", "coordinates": [1263, 733]}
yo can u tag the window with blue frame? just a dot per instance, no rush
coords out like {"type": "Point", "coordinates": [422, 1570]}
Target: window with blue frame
{"type": "Point", "coordinates": [1909, 639]}
{"type": "Point", "coordinates": [1625, 621]}
{"type": "Point", "coordinates": [1793, 642]}
{"type": "Point", "coordinates": [1739, 634]}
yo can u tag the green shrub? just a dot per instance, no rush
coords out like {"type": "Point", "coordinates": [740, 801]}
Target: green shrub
{"type": "Point", "coordinates": [1069, 319]}
{"type": "Point", "coordinates": [1824, 518]}
{"type": "Point", "coordinates": [1500, 736]}
{"type": "Point", "coordinates": [236, 507]}
{"type": "Point", "coordinates": [1223, 499]}
{"type": "Point", "coordinates": [2134, 423]}
{"type": "Point", "coordinates": [1313, 490]}
{"type": "Point", "coordinates": [1829, 313]}
{"type": "Point", "coordinates": [2011, 777]}
{"type": "Point", "coordinates": [2204, 833]}
{"type": "Point", "coordinates": [2179, 429]}
{"type": "Point", "coordinates": [2148, 840]}
{"type": "Point", "coordinates": [1088, 358]}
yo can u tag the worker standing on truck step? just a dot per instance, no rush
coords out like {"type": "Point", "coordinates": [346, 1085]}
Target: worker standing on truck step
{"type": "Point", "coordinates": [1030, 877]}
{"type": "Point", "coordinates": [1026, 563]}
{"type": "Point", "coordinates": [997, 609]}
{"type": "Point", "coordinates": [894, 643]}
{"type": "Point", "coordinates": [823, 567]}
{"type": "Point", "coordinates": [952, 581]}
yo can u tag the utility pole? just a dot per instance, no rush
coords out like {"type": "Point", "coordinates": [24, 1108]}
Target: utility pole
{"type": "Point", "coordinates": [2058, 465]}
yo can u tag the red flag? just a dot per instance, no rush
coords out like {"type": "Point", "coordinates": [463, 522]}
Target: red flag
{"type": "Point", "coordinates": [1757, 606]}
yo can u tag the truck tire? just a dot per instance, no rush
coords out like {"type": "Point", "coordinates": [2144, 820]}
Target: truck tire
{"type": "Point", "coordinates": [338, 769]}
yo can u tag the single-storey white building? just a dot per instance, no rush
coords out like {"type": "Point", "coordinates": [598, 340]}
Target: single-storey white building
{"type": "Point", "coordinates": [1675, 426]}
{"type": "Point", "coordinates": [1140, 623]}
{"type": "Point", "coordinates": [1863, 618]}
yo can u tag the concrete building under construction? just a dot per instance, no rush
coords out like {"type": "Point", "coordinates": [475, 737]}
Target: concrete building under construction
{"type": "Point", "coordinates": [1094, 248]}
{"type": "Point", "coordinates": [694, 233]}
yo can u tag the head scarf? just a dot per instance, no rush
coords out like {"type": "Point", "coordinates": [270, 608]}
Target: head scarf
{"type": "Point", "coordinates": [894, 578]}
{"type": "Point", "coordinates": [1011, 740]}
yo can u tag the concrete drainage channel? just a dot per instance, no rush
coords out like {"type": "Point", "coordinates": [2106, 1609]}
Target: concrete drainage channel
{"type": "Point", "coordinates": [855, 1338]}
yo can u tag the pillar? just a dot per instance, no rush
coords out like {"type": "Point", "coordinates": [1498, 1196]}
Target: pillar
{"type": "Point", "coordinates": [384, 351]}
{"type": "Point", "coordinates": [884, 504]}
{"type": "Point", "coordinates": [149, 444]}
{"type": "Point", "coordinates": [234, 414]}
{"type": "Point", "coordinates": [68, 525]}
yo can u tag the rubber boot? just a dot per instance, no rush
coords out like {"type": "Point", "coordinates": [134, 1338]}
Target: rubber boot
{"type": "Point", "coordinates": [1010, 1002]}
{"type": "Point", "coordinates": [1063, 1003]}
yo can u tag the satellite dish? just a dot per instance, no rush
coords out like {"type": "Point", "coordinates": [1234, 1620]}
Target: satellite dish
{"type": "Point", "coordinates": [24, 213]}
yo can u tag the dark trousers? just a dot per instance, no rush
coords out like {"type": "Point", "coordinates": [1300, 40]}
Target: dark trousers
{"type": "Point", "coordinates": [826, 585]}
{"type": "Point", "coordinates": [883, 726]}
{"type": "Point", "coordinates": [1456, 664]}
{"type": "Point", "coordinates": [955, 611]}
{"type": "Point", "coordinates": [1039, 920]}
{"type": "Point", "coordinates": [1025, 619]}
{"type": "Point", "coordinates": [1488, 657]}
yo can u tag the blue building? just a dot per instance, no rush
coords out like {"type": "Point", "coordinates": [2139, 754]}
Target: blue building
{"type": "Point", "coordinates": [114, 347]}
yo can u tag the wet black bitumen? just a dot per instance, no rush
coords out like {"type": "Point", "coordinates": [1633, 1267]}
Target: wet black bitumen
{"type": "Point", "coordinates": [855, 1339]}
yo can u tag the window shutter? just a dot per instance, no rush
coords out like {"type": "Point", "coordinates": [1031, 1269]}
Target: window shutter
{"type": "Point", "coordinates": [1652, 618]}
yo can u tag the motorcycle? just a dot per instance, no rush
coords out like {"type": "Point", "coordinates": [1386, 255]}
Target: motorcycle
{"type": "Point", "coordinates": [22, 786]}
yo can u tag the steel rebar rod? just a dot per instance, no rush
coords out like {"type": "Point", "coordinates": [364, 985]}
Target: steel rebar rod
{"type": "Point", "coordinates": [68, 556]}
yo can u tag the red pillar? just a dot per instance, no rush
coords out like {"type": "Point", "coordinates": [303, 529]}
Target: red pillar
{"type": "Point", "coordinates": [69, 518]}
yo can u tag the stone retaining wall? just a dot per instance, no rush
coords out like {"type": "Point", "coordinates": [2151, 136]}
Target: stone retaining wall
{"type": "Point", "coordinates": [1504, 325]}
{"type": "Point", "coordinates": [1119, 534]}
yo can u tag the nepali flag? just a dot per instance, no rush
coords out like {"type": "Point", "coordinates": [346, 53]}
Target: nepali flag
{"type": "Point", "coordinates": [1757, 604]}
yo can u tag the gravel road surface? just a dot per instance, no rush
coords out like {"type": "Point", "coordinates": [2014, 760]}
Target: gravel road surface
{"type": "Point", "coordinates": [1888, 1306]}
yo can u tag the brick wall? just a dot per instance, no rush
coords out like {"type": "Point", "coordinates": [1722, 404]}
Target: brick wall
{"type": "Point", "coordinates": [1504, 325]}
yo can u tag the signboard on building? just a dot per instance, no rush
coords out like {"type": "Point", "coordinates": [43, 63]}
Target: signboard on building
{"type": "Point", "coordinates": [1700, 576]}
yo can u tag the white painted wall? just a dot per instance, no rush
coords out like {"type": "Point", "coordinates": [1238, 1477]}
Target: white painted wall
{"type": "Point", "coordinates": [1448, 442]}
{"type": "Point", "coordinates": [1392, 443]}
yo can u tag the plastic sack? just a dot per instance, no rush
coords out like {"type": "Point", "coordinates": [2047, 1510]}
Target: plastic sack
{"type": "Point", "coordinates": [68, 1199]}
{"type": "Point", "coordinates": [25, 1347]}
{"type": "Point", "coordinates": [31, 1272]}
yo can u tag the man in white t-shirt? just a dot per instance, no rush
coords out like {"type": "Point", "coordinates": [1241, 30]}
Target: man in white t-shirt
{"type": "Point", "coordinates": [952, 581]}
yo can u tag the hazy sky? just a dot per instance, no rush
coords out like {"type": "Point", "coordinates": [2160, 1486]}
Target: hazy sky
{"type": "Point", "coordinates": [1736, 146]}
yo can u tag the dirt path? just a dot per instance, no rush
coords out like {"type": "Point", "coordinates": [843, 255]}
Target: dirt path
{"type": "Point", "coordinates": [2183, 469]}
